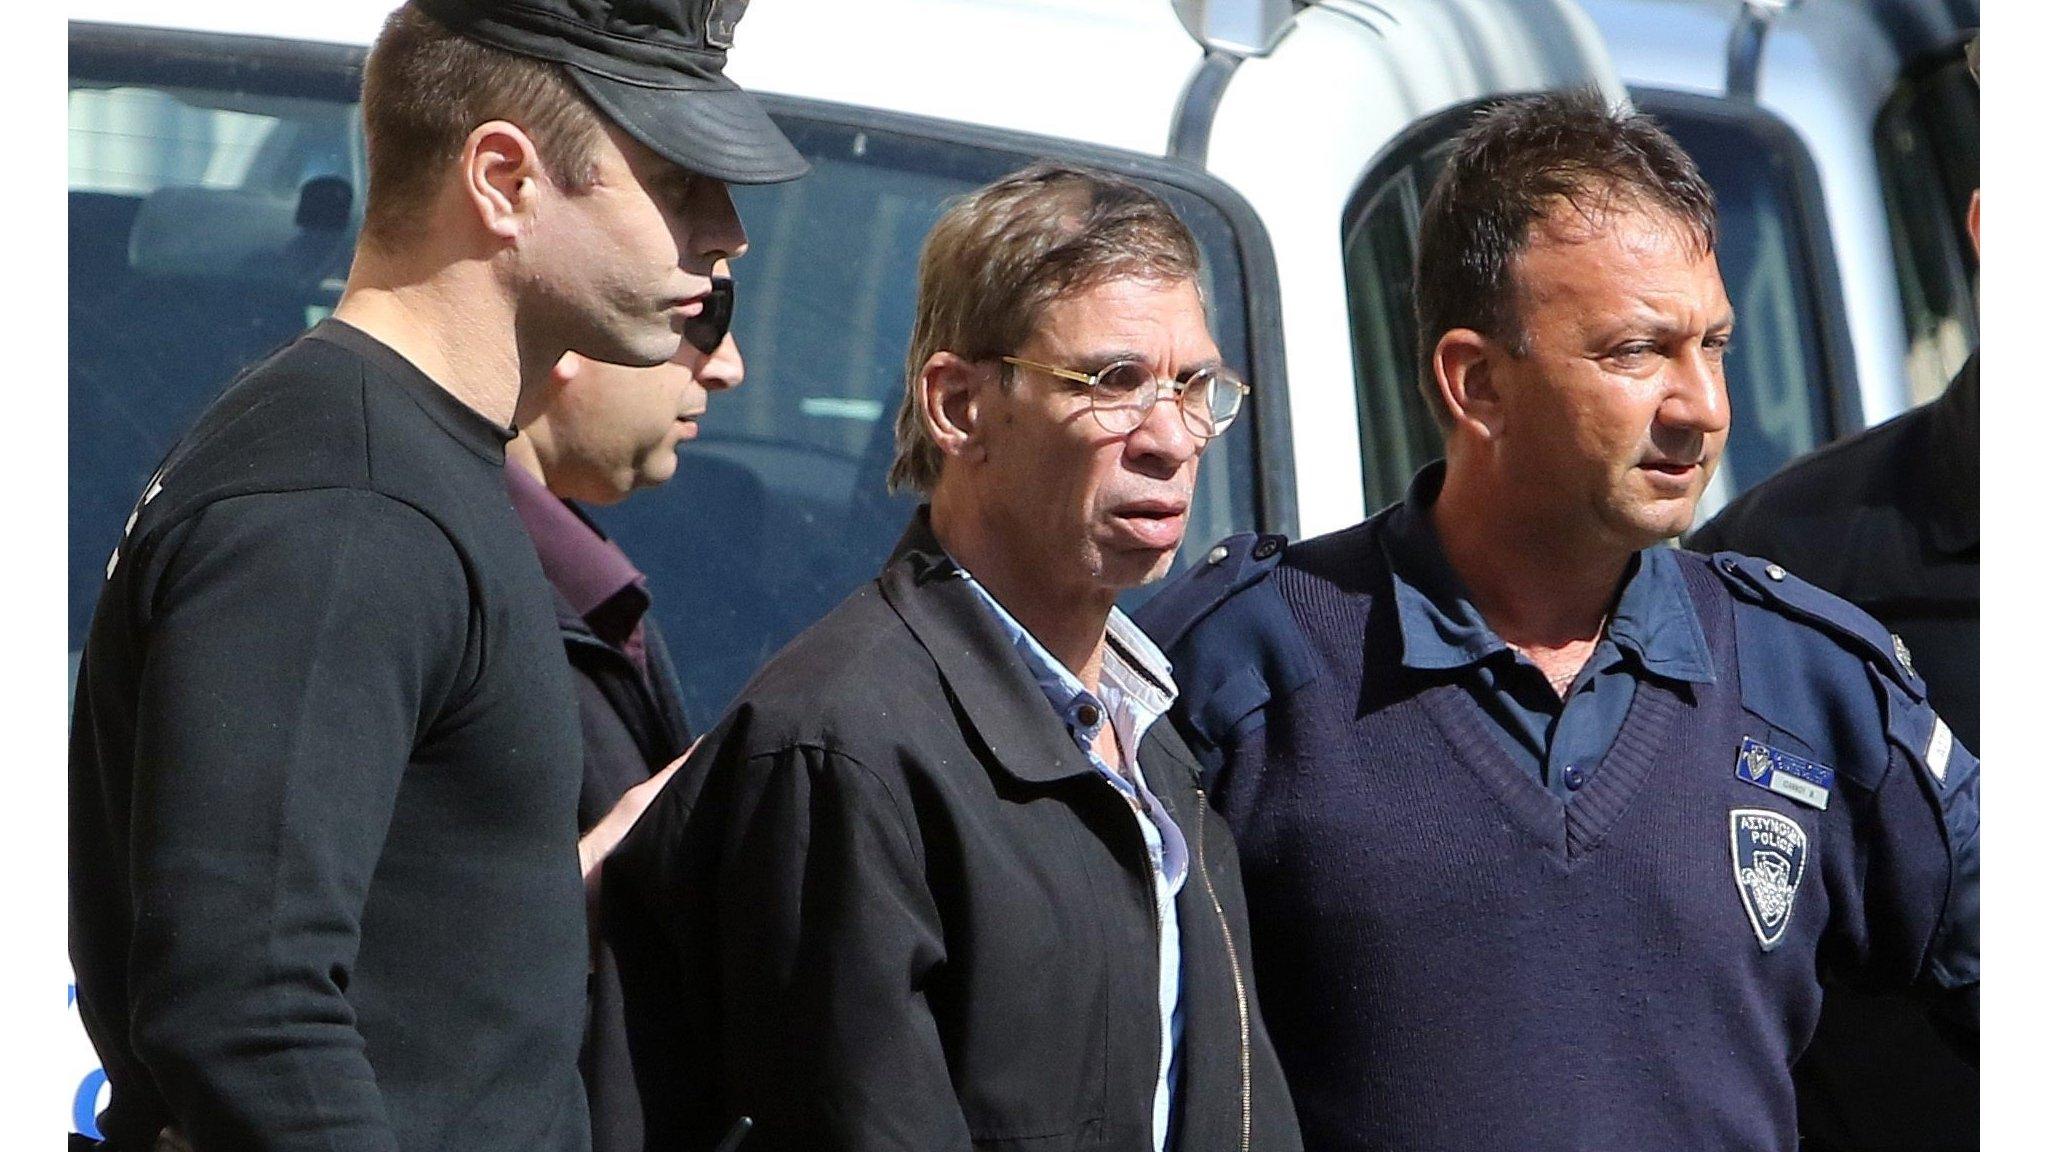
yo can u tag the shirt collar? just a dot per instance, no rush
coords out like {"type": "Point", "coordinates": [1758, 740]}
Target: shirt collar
{"type": "Point", "coordinates": [594, 577]}
{"type": "Point", "coordinates": [1440, 627]}
{"type": "Point", "coordinates": [1654, 620]}
{"type": "Point", "coordinates": [1137, 679]}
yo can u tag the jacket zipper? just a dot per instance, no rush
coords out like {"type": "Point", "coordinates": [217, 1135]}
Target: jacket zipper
{"type": "Point", "coordinates": [1152, 886]}
{"type": "Point", "coordinates": [1244, 1023]}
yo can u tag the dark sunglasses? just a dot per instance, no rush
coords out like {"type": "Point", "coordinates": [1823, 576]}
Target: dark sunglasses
{"type": "Point", "coordinates": [706, 330]}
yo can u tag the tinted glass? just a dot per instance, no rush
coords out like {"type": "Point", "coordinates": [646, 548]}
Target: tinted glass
{"type": "Point", "coordinates": [1394, 425]}
{"type": "Point", "coordinates": [1778, 384]}
{"type": "Point", "coordinates": [211, 218]}
{"type": "Point", "coordinates": [1927, 152]}
{"type": "Point", "coordinates": [208, 224]}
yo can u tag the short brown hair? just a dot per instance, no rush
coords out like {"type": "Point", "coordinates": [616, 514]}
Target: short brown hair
{"type": "Point", "coordinates": [1004, 252]}
{"type": "Point", "coordinates": [1517, 161]}
{"type": "Point", "coordinates": [426, 88]}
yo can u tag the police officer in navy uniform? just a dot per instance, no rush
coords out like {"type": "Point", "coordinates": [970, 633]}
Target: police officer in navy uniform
{"type": "Point", "coordinates": [1552, 836]}
{"type": "Point", "coordinates": [1887, 520]}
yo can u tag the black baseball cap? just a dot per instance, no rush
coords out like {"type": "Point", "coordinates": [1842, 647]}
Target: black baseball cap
{"type": "Point", "coordinates": [655, 67]}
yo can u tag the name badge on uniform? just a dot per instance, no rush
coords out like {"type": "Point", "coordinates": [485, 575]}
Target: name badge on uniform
{"type": "Point", "coordinates": [1776, 770]}
{"type": "Point", "coordinates": [1770, 859]}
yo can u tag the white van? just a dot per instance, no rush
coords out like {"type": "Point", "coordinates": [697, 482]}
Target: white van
{"type": "Point", "coordinates": [216, 166]}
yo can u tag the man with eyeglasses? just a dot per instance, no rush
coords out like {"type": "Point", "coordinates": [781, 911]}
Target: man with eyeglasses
{"type": "Point", "coordinates": [603, 431]}
{"type": "Point", "coordinates": [938, 880]}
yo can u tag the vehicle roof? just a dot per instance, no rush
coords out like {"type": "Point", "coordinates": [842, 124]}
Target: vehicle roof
{"type": "Point", "coordinates": [1106, 71]}
{"type": "Point", "coordinates": [1683, 44]}
{"type": "Point", "coordinates": [333, 21]}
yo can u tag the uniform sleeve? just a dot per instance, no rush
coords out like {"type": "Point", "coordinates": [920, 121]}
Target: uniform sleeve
{"type": "Point", "coordinates": [825, 947]}
{"type": "Point", "coordinates": [294, 645]}
{"type": "Point", "coordinates": [1917, 921]}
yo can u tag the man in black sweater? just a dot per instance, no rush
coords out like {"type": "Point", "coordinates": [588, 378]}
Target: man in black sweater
{"type": "Point", "coordinates": [324, 757]}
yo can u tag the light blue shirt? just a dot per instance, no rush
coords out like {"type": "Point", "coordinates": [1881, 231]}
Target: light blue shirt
{"type": "Point", "coordinates": [1137, 689]}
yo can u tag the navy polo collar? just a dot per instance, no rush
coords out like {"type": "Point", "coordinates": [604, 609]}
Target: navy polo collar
{"type": "Point", "coordinates": [1654, 620]}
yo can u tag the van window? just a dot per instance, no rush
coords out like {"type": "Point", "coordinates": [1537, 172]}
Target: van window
{"type": "Point", "coordinates": [211, 218]}
{"type": "Point", "coordinates": [1782, 374]}
{"type": "Point", "coordinates": [213, 205]}
{"type": "Point", "coordinates": [1927, 154]}
{"type": "Point", "coordinates": [1394, 423]}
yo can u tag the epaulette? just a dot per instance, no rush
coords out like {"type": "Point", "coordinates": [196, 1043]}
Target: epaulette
{"type": "Point", "coordinates": [1762, 582]}
{"type": "Point", "coordinates": [1234, 564]}
{"type": "Point", "coordinates": [1234, 643]}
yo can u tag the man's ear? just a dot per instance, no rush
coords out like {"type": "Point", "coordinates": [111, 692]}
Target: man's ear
{"type": "Point", "coordinates": [501, 174]}
{"type": "Point", "coordinates": [538, 402]}
{"type": "Point", "coordinates": [565, 370]}
{"type": "Point", "coordinates": [1463, 366]}
{"type": "Point", "coordinates": [949, 398]}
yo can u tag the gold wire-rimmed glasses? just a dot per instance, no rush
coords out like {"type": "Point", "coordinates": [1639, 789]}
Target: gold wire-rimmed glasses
{"type": "Point", "coordinates": [1121, 394]}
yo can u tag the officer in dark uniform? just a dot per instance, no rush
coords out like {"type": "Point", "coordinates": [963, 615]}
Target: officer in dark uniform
{"type": "Point", "coordinates": [1551, 835]}
{"type": "Point", "coordinates": [1887, 520]}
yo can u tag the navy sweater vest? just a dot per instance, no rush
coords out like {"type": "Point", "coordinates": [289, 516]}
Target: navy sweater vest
{"type": "Point", "coordinates": [1455, 959]}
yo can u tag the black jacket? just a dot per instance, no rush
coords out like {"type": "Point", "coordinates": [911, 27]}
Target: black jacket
{"type": "Point", "coordinates": [633, 725]}
{"type": "Point", "coordinates": [889, 904]}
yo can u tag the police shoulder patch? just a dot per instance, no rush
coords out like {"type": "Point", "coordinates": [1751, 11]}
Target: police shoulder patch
{"type": "Point", "coordinates": [1769, 851]}
{"type": "Point", "coordinates": [1761, 582]}
{"type": "Point", "coordinates": [1233, 565]}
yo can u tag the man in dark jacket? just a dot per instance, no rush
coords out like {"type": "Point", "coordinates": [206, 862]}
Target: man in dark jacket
{"type": "Point", "coordinates": [603, 431]}
{"type": "Point", "coordinates": [939, 880]}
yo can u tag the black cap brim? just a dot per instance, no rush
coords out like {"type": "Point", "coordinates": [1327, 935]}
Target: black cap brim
{"type": "Point", "coordinates": [721, 132]}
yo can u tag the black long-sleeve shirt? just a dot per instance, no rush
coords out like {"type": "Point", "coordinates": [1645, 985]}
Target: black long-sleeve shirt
{"type": "Point", "coordinates": [324, 769]}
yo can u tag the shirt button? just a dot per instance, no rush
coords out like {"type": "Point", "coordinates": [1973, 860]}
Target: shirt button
{"type": "Point", "coordinates": [1774, 572]}
{"type": "Point", "coordinates": [1089, 715]}
{"type": "Point", "coordinates": [1266, 546]}
{"type": "Point", "coordinates": [1574, 777]}
{"type": "Point", "coordinates": [1218, 555]}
